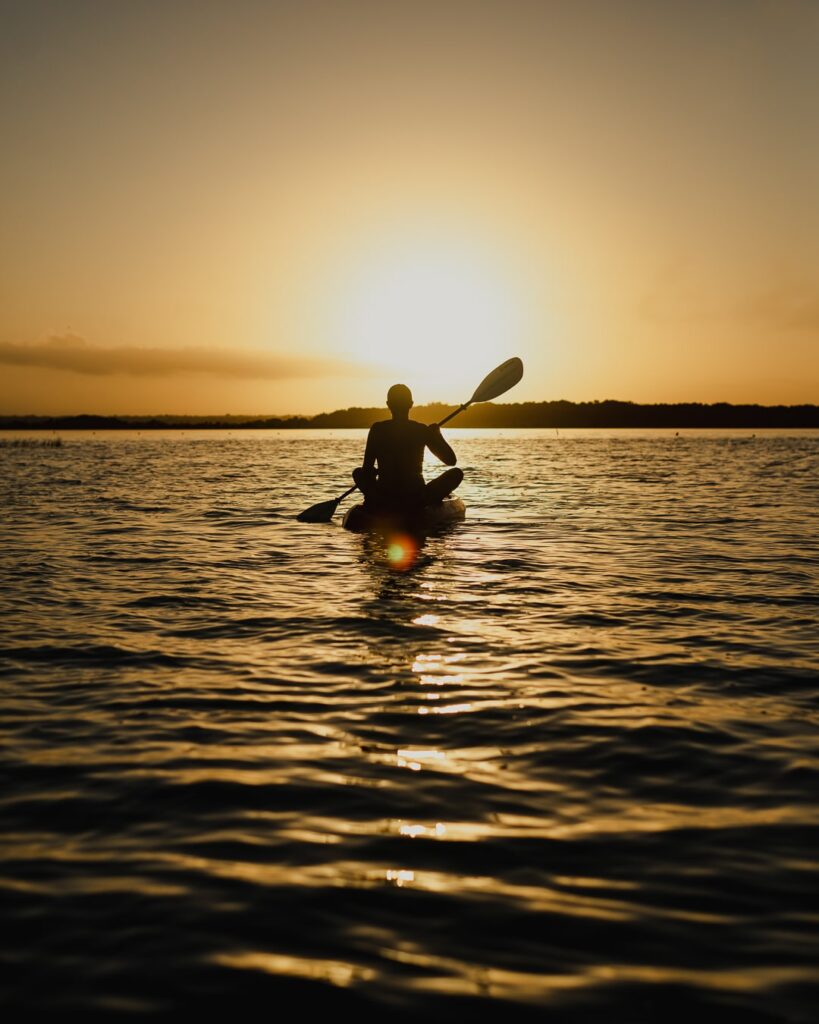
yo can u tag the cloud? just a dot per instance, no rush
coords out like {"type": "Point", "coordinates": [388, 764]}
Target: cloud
{"type": "Point", "coordinates": [67, 340]}
{"type": "Point", "coordinates": [73, 353]}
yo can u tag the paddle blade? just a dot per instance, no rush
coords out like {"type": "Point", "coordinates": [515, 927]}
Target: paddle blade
{"type": "Point", "coordinates": [500, 380]}
{"type": "Point", "coordinates": [323, 512]}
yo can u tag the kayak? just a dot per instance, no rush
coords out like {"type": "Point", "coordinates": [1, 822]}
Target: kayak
{"type": "Point", "coordinates": [359, 519]}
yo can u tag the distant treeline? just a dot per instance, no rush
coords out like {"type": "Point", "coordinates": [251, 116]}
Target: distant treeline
{"type": "Point", "coordinates": [609, 413]}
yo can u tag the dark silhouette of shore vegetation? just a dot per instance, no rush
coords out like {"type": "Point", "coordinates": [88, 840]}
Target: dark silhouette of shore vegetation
{"type": "Point", "coordinates": [550, 415]}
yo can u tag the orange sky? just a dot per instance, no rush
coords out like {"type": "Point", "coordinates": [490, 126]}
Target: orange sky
{"type": "Point", "coordinates": [285, 207]}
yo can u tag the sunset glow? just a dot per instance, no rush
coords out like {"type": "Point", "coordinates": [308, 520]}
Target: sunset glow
{"type": "Point", "coordinates": [429, 310]}
{"type": "Point", "coordinates": [298, 203]}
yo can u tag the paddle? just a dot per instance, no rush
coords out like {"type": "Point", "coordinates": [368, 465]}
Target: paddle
{"type": "Point", "coordinates": [499, 381]}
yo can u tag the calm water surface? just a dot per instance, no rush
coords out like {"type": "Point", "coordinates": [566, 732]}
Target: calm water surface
{"type": "Point", "coordinates": [564, 767]}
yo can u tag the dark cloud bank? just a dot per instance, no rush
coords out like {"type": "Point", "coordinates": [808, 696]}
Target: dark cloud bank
{"type": "Point", "coordinates": [73, 353]}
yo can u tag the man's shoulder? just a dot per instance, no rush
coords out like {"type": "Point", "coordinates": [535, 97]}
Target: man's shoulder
{"type": "Point", "coordinates": [379, 432]}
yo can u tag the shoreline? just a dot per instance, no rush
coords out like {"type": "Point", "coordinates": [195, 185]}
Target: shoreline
{"type": "Point", "coordinates": [606, 415]}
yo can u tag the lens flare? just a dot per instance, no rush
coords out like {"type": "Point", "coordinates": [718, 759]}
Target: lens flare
{"type": "Point", "coordinates": [401, 551]}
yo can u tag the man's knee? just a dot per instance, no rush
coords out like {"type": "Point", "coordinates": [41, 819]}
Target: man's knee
{"type": "Point", "coordinates": [365, 479]}
{"type": "Point", "coordinates": [444, 484]}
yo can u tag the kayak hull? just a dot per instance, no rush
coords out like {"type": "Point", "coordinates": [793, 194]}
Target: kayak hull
{"type": "Point", "coordinates": [359, 519]}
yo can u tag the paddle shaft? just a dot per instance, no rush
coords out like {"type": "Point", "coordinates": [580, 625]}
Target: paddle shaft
{"type": "Point", "coordinates": [454, 412]}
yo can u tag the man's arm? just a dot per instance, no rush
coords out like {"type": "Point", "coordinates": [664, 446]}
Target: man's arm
{"type": "Point", "coordinates": [370, 451]}
{"type": "Point", "coordinates": [438, 446]}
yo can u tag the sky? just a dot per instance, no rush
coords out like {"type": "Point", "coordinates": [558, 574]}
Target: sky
{"type": "Point", "coordinates": [283, 207]}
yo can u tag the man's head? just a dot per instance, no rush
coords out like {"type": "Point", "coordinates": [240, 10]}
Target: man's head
{"type": "Point", "coordinates": [399, 399]}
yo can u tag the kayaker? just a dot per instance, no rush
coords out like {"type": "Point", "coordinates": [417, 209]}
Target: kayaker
{"type": "Point", "coordinates": [392, 476]}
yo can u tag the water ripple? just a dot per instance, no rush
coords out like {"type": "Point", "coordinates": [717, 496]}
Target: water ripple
{"type": "Point", "coordinates": [564, 767]}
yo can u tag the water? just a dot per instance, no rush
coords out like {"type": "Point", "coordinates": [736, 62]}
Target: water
{"type": "Point", "coordinates": [565, 765]}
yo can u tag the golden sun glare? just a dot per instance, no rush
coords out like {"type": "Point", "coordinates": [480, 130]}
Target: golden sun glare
{"type": "Point", "coordinates": [431, 312]}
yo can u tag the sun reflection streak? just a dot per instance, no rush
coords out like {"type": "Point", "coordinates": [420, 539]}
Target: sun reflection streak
{"type": "Point", "coordinates": [414, 831]}
{"type": "Point", "coordinates": [427, 663]}
{"type": "Point", "coordinates": [449, 709]}
{"type": "Point", "coordinates": [441, 680]}
{"type": "Point", "coordinates": [413, 759]}
{"type": "Point", "coordinates": [335, 972]}
{"type": "Point", "coordinates": [424, 661]}
{"type": "Point", "coordinates": [400, 877]}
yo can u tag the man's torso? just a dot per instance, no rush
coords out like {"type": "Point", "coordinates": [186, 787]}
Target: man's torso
{"type": "Point", "coordinates": [399, 454]}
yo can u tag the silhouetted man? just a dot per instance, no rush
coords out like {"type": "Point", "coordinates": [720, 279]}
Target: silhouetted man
{"type": "Point", "coordinates": [396, 448]}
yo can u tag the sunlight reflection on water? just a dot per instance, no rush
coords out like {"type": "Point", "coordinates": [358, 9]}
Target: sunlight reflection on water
{"type": "Point", "coordinates": [563, 757]}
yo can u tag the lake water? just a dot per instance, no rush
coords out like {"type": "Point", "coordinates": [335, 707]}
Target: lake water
{"type": "Point", "coordinates": [565, 766]}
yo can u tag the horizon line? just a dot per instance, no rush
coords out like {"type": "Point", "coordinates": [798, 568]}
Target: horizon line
{"type": "Point", "coordinates": [553, 414]}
